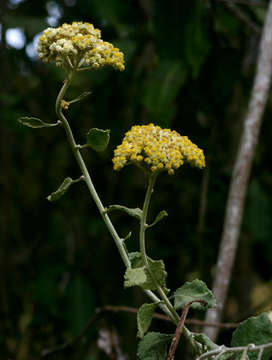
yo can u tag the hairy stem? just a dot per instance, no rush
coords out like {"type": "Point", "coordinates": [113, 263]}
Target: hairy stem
{"type": "Point", "coordinates": [84, 170]}
{"type": "Point", "coordinates": [87, 179]}
{"type": "Point", "coordinates": [163, 296]}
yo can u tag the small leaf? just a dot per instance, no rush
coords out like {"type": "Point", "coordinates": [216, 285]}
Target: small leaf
{"type": "Point", "coordinates": [127, 236]}
{"type": "Point", "coordinates": [156, 268]}
{"type": "Point", "coordinates": [135, 277]}
{"type": "Point", "coordinates": [206, 341]}
{"type": "Point", "coordinates": [98, 139]}
{"type": "Point", "coordinates": [132, 212]}
{"type": "Point", "coordinates": [80, 97]}
{"type": "Point", "coordinates": [153, 346]}
{"type": "Point", "coordinates": [255, 330]}
{"type": "Point", "coordinates": [159, 217]}
{"type": "Point", "coordinates": [144, 318]}
{"type": "Point", "coordinates": [194, 290]}
{"type": "Point", "coordinates": [35, 122]}
{"type": "Point", "coordinates": [61, 190]}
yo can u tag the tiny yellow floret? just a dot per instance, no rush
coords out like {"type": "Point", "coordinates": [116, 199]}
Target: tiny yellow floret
{"type": "Point", "coordinates": [78, 44]}
{"type": "Point", "coordinates": [156, 150]}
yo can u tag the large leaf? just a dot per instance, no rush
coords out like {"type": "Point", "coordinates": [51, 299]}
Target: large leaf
{"type": "Point", "coordinates": [35, 122]}
{"type": "Point", "coordinates": [61, 190]}
{"type": "Point", "coordinates": [255, 330]}
{"type": "Point", "coordinates": [153, 346]}
{"type": "Point", "coordinates": [98, 139]}
{"type": "Point", "coordinates": [144, 318]}
{"type": "Point", "coordinates": [155, 267]}
{"type": "Point", "coordinates": [191, 291]}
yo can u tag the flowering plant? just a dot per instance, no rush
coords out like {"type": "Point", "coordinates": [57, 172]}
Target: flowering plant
{"type": "Point", "coordinates": [79, 47]}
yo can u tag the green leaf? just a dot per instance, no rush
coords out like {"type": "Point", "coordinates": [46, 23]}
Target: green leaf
{"type": "Point", "coordinates": [194, 290]}
{"type": "Point", "coordinates": [127, 236]}
{"type": "Point", "coordinates": [98, 139]}
{"type": "Point", "coordinates": [255, 330]}
{"type": "Point", "coordinates": [144, 318]}
{"type": "Point", "coordinates": [132, 212]}
{"type": "Point", "coordinates": [153, 346]}
{"type": "Point", "coordinates": [156, 268]}
{"type": "Point", "coordinates": [135, 277]}
{"type": "Point", "coordinates": [207, 343]}
{"type": "Point", "coordinates": [159, 217]}
{"type": "Point", "coordinates": [80, 97]}
{"type": "Point", "coordinates": [61, 190]}
{"type": "Point", "coordinates": [35, 122]}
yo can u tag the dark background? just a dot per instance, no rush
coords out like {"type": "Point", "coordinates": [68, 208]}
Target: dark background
{"type": "Point", "coordinates": [189, 66]}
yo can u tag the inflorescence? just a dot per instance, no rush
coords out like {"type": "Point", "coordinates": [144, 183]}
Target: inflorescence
{"type": "Point", "coordinates": [156, 149]}
{"type": "Point", "coordinates": [77, 45]}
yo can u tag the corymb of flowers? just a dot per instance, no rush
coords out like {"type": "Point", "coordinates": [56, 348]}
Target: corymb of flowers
{"type": "Point", "coordinates": [156, 149]}
{"type": "Point", "coordinates": [78, 45]}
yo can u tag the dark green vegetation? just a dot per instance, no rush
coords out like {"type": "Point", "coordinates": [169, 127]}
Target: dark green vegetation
{"type": "Point", "coordinates": [189, 66]}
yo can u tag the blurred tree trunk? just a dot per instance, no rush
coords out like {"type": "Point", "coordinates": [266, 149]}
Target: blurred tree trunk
{"type": "Point", "coordinates": [240, 175]}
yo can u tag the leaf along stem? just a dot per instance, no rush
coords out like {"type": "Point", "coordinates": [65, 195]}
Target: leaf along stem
{"type": "Point", "coordinates": [84, 169]}
{"type": "Point", "coordinates": [166, 305]}
{"type": "Point", "coordinates": [76, 151]}
{"type": "Point", "coordinates": [164, 298]}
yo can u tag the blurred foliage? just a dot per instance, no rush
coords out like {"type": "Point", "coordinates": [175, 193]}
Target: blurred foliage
{"type": "Point", "coordinates": [189, 66]}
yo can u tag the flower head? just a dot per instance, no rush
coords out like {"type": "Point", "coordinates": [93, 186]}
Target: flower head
{"type": "Point", "coordinates": [78, 44]}
{"type": "Point", "coordinates": [156, 149]}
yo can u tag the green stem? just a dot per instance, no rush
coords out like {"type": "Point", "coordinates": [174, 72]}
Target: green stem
{"type": "Point", "coordinates": [85, 172]}
{"type": "Point", "coordinates": [166, 306]}
{"type": "Point", "coordinates": [174, 315]}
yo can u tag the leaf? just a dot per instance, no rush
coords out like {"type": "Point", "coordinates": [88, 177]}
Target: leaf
{"type": "Point", "coordinates": [153, 346]}
{"type": "Point", "coordinates": [61, 190]}
{"type": "Point", "coordinates": [132, 212]}
{"type": "Point", "coordinates": [35, 122]}
{"type": "Point", "coordinates": [144, 318]}
{"type": "Point", "coordinates": [80, 97]}
{"type": "Point", "coordinates": [127, 236]}
{"type": "Point", "coordinates": [98, 139]}
{"type": "Point", "coordinates": [156, 268]}
{"type": "Point", "coordinates": [206, 341]}
{"type": "Point", "coordinates": [194, 290]}
{"type": "Point", "coordinates": [159, 217]}
{"type": "Point", "coordinates": [255, 330]}
{"type": "Point", "coordinates": [135, 277]}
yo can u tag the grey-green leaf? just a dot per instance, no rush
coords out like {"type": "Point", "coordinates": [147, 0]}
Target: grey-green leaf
{"type": "Point", "coordinates": [153, 346]}
{"type": "Point", "coordinates": [191, 291]}
{"type": "Point", "coordinates": [207, 343]}
{"type": "Point", "coordinates": [132, 212]}
{"type": "Point", "coordinates": [159, 217]}
{"type": "Point", "coordinates": [98, 139]}
{"type": "Point", "coordinates": [156, 268]}
{"type": "Point", "coordinates": [255, 330]}
{"type": "Point", "coordinates": [35, 122]}
{"type": "Point", "coordinates": [135, 277]}
{"type": "Point", "coordinates": [80, 97]}
{"type": "Point", "coordinates": [144, 318]}
{"type": "Point", "coordinates": [61, 190]}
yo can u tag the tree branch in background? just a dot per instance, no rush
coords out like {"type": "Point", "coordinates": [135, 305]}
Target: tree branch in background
{"type": "Point", "coordinates": [240, 174]}
{"type": "Point", "coordinates": [243, 17]}
{"type": "Point", "coordinates": [117, 309]}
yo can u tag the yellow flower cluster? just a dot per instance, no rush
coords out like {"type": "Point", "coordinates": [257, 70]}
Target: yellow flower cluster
{"type": "Point", "coordinates": [156, 149]}
{"type": "Point", "coordinates": [78, 44]}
